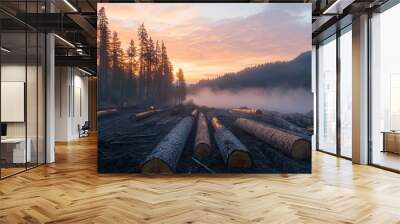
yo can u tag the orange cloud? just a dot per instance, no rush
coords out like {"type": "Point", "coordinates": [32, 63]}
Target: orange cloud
{"type": "Point", "coordinates": [205, 44]}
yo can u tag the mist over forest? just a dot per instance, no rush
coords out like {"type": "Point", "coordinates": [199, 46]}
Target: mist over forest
{"type": "Point", "coordinates": [284, 101]}
{"type": "Point", "coordinates": [280, 86]}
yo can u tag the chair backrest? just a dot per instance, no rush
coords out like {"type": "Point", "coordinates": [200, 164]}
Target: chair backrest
{"type": "Point", "coordinates": [86, 125]}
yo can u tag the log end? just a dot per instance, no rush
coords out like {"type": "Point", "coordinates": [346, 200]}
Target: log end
{"type": "Point", "coordinates": [239, 159]}
{"type": "Point", "coordinates": [202, 150]}
{"type": "Point", "coordinates": [156, 166]}
{"type": "Point", "coordinates": [194, 113]}
{"type": "Point", "coordinates": [301, 149]}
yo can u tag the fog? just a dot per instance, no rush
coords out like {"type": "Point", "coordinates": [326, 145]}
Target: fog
{"type": "Point", "coordinates": [284, 101]}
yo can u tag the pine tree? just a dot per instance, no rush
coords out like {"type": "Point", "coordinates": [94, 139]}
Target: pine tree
{"type": "Point", "coordinates": [155, 71]}
{"type": "Point", "coordinates": [158, 74]}
{"type": "Point", "coordinates": [103, 37]}
{"type": "Point", "coordinates": [117, 70]}
{"type": "Point", "coordinates": [132, 67]}
{"type": "Point", "coordinates": [143, 46]}
{"type": "Point", "coordinates": [181, 86]}
{"type": "Point", "coordinates": [167, 74]}
{"type": "Point", "coordinates": [151, 55]}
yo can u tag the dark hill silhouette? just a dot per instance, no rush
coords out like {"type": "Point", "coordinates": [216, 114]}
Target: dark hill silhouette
{"type": "Point", "coordinates": [284, 75]}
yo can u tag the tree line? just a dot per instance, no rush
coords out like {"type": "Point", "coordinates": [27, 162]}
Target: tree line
{"type": "Point", "coordinates": [293, 74]}
{"type": "Point", "coordinates": [141, 74]}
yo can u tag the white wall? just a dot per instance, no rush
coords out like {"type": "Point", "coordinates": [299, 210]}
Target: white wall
{"type": "Point", "coordinates": [314, 90]}
{"type": "Point", "coordinates": [62, 82]}
{"type": "Point", "coordinates": [12, 73]}
{"type": "Point", "coordinates": [80, 112]}
{"type": "Point", "coordinates": [71, 87]}
{"type": "Point", "coordinates": [33, 126]}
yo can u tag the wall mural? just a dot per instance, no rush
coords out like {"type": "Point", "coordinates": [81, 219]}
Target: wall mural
{"type": "Point", "coordinates": [204, 88]}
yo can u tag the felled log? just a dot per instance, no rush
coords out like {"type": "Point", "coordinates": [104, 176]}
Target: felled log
{"type": "Point", "coordinates": [165, 156]}
{"type": "Point", "coordinates": [143, 115]}
{"type": "Point", "coordinates": [202, 145]}
{"type": "Point", "coordinates": [106, 113]}
{"type": "Point", "coordinates": [291, 145]}
{"type": "Point", "coordinates": [301, 120]}
{"type": "Point", "coordinates": [248, 111]}
{"type": "Point", "coordinates": [233, 152]}
{"type": "Point", "coordinates": [276, 119]}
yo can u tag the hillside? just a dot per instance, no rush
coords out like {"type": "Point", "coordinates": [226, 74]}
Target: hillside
{"type": "Point", "coordinates": [283, 75]}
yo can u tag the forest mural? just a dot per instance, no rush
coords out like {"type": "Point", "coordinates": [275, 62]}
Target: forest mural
{"type": "Point", "coordinates": [204, 88]}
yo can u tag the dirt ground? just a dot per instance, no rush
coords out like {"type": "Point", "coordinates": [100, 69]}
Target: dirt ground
{"type": "Point", "coordinates": [124, 144]}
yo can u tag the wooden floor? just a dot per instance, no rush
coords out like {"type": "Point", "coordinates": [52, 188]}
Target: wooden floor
{"type": "Point", "coordinates": [5, 172]}
{"type": "Point", "coordinates": [71, 191]}
{"type": "Point", "coordinates": [387, 159]}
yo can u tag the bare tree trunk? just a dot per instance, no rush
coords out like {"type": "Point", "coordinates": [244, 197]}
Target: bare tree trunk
{"type": "Point", "coordinates": [202, 146]}
{"type": "Point", "coordinates": [121, 94]}
{"type": "Point", "coordinates": [234, 153]}
{"type": "Point", "coordinates": [165, 157]}
{"type": "Point", "coordinates": [291, 145]}
{"type": "Point", "coordinates": [143, 115]}
{"type": "Point", "coordinates": [106, 113]}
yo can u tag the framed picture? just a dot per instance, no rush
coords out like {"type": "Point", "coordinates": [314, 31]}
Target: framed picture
{"type": "Point", "coordinates": [204, 88]}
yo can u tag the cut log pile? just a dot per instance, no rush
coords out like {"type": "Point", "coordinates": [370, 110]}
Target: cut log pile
{"type": "Point", "coordinates": [202, 145]}
{"type": "Point", "coordinates": [143, 115]}
{"type": "Point", "coordinates": [164, 158]}
{"type": "Point", "coordinates": [233, 152]}
{"type": "Point", "coordinates": [291, 145]}
{"type": "Point", "coordinates": [106, 113]}
{"type": "Point", "coordinates": [248, 111]}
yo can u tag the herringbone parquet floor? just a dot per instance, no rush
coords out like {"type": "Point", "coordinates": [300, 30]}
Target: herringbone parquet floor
{"type": "Point", "coordinates": [71, 191]}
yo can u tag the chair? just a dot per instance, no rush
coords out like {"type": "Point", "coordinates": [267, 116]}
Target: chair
{"type": "Point", "coordinates": [84, 130]}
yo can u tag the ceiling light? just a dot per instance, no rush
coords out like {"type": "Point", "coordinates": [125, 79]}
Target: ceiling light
{"type": "Point", "coordinates": [331, 7]}
{"type": "Point", "coordinates": [70, 5]}
{"type": "Point", "coordinates": [84, 71]}
{"type": "Point", "coordinates": [5, 50]}
{"type": "Point", "coordinates": [80, 51]}
{"type": "Point", "coordinates": [337, 7]}
{"type": "Point", "coordinates": [64, 40]}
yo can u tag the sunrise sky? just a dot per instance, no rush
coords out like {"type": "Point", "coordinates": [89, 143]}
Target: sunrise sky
{"type": "Point", "coordinates": [206, 40]}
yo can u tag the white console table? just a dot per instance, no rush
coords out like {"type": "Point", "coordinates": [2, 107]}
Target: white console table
{"type": "Point", "coordinates": [17, 146]}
